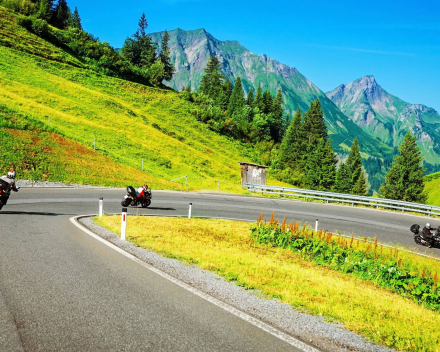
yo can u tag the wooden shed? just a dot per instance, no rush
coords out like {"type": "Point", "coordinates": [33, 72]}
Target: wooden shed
{"type": "Point", "coordinates": [252, 173]}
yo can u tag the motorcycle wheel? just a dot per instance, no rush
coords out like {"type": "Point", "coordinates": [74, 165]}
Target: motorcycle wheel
{"type": "Point", "coordinates": [146, 203]}
{"type": "Point", "coordinates": [126, 202]}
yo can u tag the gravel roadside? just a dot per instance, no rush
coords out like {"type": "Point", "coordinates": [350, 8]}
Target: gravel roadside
{"type": "Point", "coordinates": [311, 329]}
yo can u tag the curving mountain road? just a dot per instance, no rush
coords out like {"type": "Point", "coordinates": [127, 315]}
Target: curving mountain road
{"type": "Point", "coordinates": [62, 290]}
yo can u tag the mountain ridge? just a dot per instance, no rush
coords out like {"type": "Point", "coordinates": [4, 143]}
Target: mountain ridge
{"type": "Point", "coordinates": [388, 117]}
{"type": "Point", "coordinates": [191, 50]}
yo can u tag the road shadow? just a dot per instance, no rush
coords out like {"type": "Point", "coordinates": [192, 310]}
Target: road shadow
{"type": "Point", "coordinates": [29, 213]}
{"type": "Point", "coordinates": [157, 208]}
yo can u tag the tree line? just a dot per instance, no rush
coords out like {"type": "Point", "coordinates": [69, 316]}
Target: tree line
{"type": "Point", "coordinates": [299, 150]}
{"type": "Point", "coordinates": [140, 60]}
{"type": "Point", "coordinates": [223, 106]}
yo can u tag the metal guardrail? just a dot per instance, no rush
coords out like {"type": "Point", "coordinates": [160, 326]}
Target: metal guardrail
{"type": "Point", "coordinates": [346, 198]}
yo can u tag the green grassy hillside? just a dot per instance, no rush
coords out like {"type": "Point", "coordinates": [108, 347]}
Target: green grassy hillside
{"type": "Point", "coordinates": [432, 188]}
{"type": "Point", "coordinates": [128, 120]}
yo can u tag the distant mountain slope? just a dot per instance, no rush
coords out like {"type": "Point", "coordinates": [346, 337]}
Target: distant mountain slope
{"type": "Point", "coordinates": [387, 117]}
{"type": "Point", "coordinates": [192, 49]}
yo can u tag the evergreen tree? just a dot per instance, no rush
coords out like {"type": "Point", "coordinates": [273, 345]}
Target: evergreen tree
{"type": "Point", "coordinates": [76, 19]}
{"type": "Point", "coordinates": [278, 118]}
{"type": "Point", "coordinates": [61, 15]}
{"type": "Point", "coordinates": [258, 102]}
{"type": "Point", "coordinates": [267, 102]}
{"type": "Point", "coordinates": [250, 98]}
{"type": "Point", "coordinates": [361, 186]}
{"type": "Point", "coordinates": [292, 145]}
{"type": "Point", "coordinates": [343, 179]}
{"type": "Point", "coordinates": [165, 57]}
{"type": "Point", "coordinates": [45, 10]}
{"type": "Point", "coordinates": [140, 50]}
{"type": "Point", "coordinates": [321, 166]}
{"type": "Point", "coordinates": [225, 95]}
{"type": "Point", "coordinates": [314, 123]}
{"type": "Point", "coordinates": [404, 180]}
{"type": "Point", "coordinates": [354, 163]}
{"type": "Point", "coordinates": [211, 84]}
{"type": "Point", "coordinates": [237, 101]}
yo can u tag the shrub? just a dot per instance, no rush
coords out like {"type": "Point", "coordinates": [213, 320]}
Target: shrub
{"type": "Point", "coordinates": [40, 27]}
{"type": "Point", "coordinates": [24, 21]}
{"type": "Point", "coordinates": [34, 25]}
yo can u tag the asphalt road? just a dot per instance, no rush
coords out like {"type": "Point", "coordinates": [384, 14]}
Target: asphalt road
{"type": "Point", "coordinates": [62, 290]}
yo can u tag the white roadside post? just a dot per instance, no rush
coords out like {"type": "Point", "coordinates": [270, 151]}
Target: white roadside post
{"type": "Point", "coordinates": [123, 223]}
{"type": "Point", "coordinates": [316, 225]}
{"type": "Point", "coordinates": [189, 210]}
{"type": "Point", "coordinates": [101, 200]}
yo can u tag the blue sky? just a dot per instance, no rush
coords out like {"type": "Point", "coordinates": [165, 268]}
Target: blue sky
{"type": "Point", "coordinates": [330, 42]}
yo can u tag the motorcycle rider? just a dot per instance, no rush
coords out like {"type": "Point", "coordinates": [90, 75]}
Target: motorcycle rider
{"type": "Point", "coordinates": [7, 183]}
{"type": "Point", "coordinates": [142, 191]}
{"type": "Point", "coordinates": [426, 233]}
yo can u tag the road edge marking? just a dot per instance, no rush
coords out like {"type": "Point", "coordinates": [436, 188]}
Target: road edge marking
{"type": "Point", "coordinates": [225, 306]}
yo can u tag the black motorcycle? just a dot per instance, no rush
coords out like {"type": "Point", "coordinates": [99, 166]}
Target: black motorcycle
{"type": "Point", "coordinates": [133, 199]}
{"type": "Point", "coordinates": [424, 241]}
{"type": "Point", "coordinates": [4, 196]}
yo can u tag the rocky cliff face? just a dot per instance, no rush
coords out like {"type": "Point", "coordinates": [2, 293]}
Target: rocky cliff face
{"type": "Point", "coordinates": [387, 117]}
{"type": "Point", "coordinates": [192, 49]}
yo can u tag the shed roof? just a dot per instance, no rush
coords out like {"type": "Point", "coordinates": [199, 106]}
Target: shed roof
{"type": "Point", "coordinates": [246, 163]}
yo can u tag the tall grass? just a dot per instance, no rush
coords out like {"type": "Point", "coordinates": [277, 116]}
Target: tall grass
{"type": "Point", "coordinates": [373, 262]}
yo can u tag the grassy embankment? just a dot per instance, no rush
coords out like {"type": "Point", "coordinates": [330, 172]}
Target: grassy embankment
{"type": "Point", "coordinates": [130, 122]}
{"type": "Point", "coordinates": [432, 188]}
{"type": "Point", "coordinates": [225, 247]}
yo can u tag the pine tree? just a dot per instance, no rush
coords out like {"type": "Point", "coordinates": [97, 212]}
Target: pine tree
{"type": "Point", "coordinates": [142, 26]}
{"type": "Point", "coordinates": [165, 57]}
{"type": "Point", "coordinates": [314, 123]}
{"type": "Point", "coordinates": [361, 186]}
{"type": "Point", "coordinates": [237, 101]}
{"type": "Point", "coordinates": [354, 162]}
{"type": "Point", "coordinates": [267, 102]}
{"type": "Point", "coordinates": [258, 103]}
{"type": "Point", "coordinates": [45, 11]}
{"type": "Point", "coordinates": [343, 182]}
{"type": "Point", "coordinates": [76, 19]}
{"type": "Point", "coordinates": [321, 167]}
{"type": "Point", "coordinates": [61, 15]}
{"type": "Point", "coordinates": [250, 98]}
{"type": "Point", "coordinates": [212, 81]}
{"type": "Point", "coordinates": [225, 95]}
{"type": "Point", "coordinates": [404, 180]}
{"type": "Point", "coordinates": [140, 50]}
{"type": "Point", "coordinates": [278, 118]}
{"type": "Point", "coordinates": [292, 145]}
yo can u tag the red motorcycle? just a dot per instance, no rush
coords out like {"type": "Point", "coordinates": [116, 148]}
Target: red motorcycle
{"type": "Point", "coordinates": [134, 198]}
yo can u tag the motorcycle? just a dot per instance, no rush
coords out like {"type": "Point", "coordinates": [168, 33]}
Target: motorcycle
{"type": "Point", "coordinates": [133, 199]}
{"type": "Point", "coordinates": [4, 196]}
{"type": "Point", "coordinates": [422, 241]}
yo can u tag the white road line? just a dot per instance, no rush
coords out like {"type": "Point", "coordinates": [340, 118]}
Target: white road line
{"type": "Point", "coordinates": [254, 321]}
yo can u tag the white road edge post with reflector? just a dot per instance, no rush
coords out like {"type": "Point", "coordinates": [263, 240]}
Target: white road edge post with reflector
{"type": "Point", "coordinates": [316, 225]}
{"type": "Point", "coordinates": [123, 223]}
{"type": "Point", "coordinates": [189, 210]}
{"type": "Point", "coordinates": [101, 201]}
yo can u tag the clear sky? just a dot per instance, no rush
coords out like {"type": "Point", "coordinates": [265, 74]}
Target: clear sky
{"type": "Point", "coordinates": [330, 42]}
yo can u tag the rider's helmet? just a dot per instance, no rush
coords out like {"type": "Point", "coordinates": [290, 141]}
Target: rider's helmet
{"type": "Point", "coordinates": [428, 225]}
{"type": "Point", "coordinates": [11, 174]}
{"type": "Point", "coordinates": [145, 187]}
